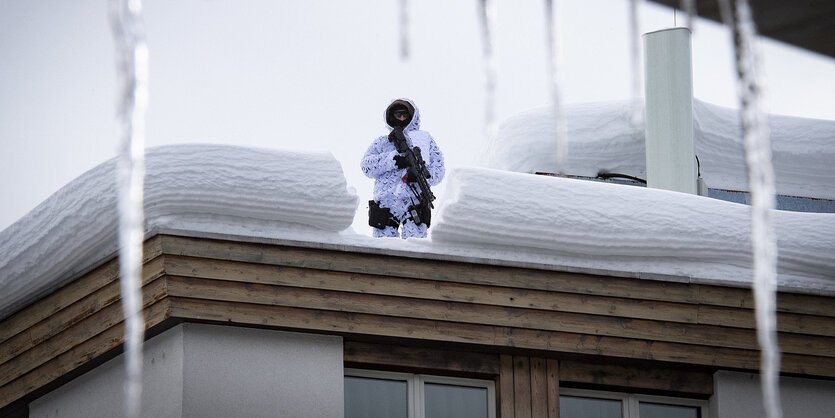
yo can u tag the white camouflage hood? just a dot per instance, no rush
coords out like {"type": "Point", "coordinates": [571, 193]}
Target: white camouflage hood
{"type": "Point", "coordinates": [413, 125]}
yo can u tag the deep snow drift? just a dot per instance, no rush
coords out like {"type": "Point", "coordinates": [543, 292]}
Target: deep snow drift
{"type": "Point", "coordinates": [187, 187]}
{"type": "Point", "coordinates": [611, 227]}
{"type": "Point", "coordinates": [601, 140]}
{"type": "Point", "coordinates": [485, 216]}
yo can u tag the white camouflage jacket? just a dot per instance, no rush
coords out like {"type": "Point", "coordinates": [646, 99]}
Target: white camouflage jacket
{"type": "Point", "coordinates": [378, 162]}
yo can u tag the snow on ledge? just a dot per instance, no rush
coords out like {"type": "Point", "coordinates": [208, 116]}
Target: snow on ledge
{"type": "Point", "coordinates": [600, 139]}
{"type": "Point", "coordinates": [485, 216]}
{"type": "Point", "coordinates": [211, 188]}
{"type": "Point", "coordinates": [610, 227]}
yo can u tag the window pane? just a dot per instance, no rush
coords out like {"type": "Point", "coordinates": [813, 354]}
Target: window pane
{"type": "Point", "coordinates": [448, 401]}
{"type": "Point", "coordinates": [376, 398]}
{"type": "Point", "coordinates": [655, 410]}
{"type": "Point", "coordinates": [577, 407]}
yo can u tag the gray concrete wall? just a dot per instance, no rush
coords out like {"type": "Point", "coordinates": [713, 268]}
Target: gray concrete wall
{"type": "Point", "coordinates": [99, 393]}
{"type": "Point", "coordinates": [737, 395]}
{"type": "Point", "coordinates": [195, 370]}
{"type": "Point", "coordinates": [259, 373]}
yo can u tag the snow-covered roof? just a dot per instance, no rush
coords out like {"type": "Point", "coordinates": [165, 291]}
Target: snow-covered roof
{"type": "Point", "coordinates": [612, 227]}
{"type": "Point", "coordinates": [486, 216]}
{"type": "Point", "coordinates": [601, 139]}
{"type": "Point", "coordinates": [210, 188]}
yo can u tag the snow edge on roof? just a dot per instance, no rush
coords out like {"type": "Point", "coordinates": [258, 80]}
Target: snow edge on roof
{"type": "Point", "coordinates": [485, 216]}
{"type": "Point", "coordinates": [611, 227]}
{"type": "Point", "coordinates": [601, 140]}
{"type": "Point", "coordinates": [212, 187]}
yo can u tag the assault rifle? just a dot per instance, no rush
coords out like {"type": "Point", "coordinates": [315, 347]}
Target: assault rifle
{"type": "Point", "coordinates": [416, 171]}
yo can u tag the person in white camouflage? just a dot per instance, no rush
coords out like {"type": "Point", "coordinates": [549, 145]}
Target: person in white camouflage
{"type": "Point", "coordinates": [396, 210]}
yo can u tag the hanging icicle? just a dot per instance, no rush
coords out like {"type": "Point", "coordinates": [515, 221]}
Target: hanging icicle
{"type": "Point", "coordinates": [555, 75]}
{"type": "Point", "coordinates": [487, 18]}
{"type": "Point", "coordinates": [757, 146]}
{"type": "Point", "coordinates": [404, 30]}
{"type": "Point", "coordinates": [637, 118]}
{"type": "Point", "coordinates": [689, 7]}
{"type": "Point", "coordinates": [132, 64]}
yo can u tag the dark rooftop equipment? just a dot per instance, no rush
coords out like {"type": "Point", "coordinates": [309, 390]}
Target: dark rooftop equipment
{"type": "Point", "coordinates": [783, 202]}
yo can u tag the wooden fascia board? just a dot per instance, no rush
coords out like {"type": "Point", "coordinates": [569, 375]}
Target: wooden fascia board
{"type": "Point", "coordinates": [385, 298]}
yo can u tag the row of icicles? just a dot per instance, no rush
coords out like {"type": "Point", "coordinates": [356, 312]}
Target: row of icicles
{"type": "Point", "coordinates": [132, 65]}
{"type": "Point", "coordinates": [736, 14]}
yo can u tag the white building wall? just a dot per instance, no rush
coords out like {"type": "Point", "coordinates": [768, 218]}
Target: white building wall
{"type": "Point", "coordinates": [737, 395]}
{"type": "Point", "coordinates": [196, 370]}
{"type": "Point", "coordinates": [234, 371]}
{"type": "Point", "coordinates": [99, 393]}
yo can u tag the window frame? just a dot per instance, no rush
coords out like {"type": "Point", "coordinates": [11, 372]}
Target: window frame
{"type": "Point", "coordinates": [630, 402]}
{"type": "Point", "coordinates": [374, 374]}
{"type": "Point", "coordinates": [415, 382]}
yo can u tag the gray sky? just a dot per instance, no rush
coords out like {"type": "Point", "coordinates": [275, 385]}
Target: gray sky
{"type": "Point", "coordinates": [317, 75]}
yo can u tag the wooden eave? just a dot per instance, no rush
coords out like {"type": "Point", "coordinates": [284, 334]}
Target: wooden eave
{"type": "Point", "coordinates": [511, 313]}
{"type": "Point", "coordinates": [807, 24]}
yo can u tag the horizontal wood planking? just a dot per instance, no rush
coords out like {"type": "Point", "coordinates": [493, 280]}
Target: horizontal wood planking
{"type": "Point", "coordinates": [786, 322]}
{"type": "Point", "coordinates": [74, 291]}
{"type": "Point", "coordinates": [78, 356]}
{"type": "Point", "coordinates": [58, 300]}
{"type": "Point", "coordinates": [492, 295]}
{"type": "Point", "coordinates": [420, 358]}
{"type": "Point", "coordinates": [786, 302]}
{"type": "Point", "coordinates": [428, 289]}
{"type": "Point", "coordinates": [395, 266]}
{"type": "Point", "coordinates": [75, 335]}
{"type": "Point", "coordinates": [55, 326]}
{"type": "Point", "coordinates": [73, 314]}
{"type": "Point", "coordinates": [353, 262]}
{"type": "Point", "coordinates": [491, 335]}
{"type": "Point", "coordinates": [674, 380]}
{"type": "Point", "coordinates": [490, 315]}
{"type": "Point", "coordinates": [503, 307]}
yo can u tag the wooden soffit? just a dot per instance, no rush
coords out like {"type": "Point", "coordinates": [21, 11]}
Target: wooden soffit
{"type": "Point", "coordinates": [808, 24]}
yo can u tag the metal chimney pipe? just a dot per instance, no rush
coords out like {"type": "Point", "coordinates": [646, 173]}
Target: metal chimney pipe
{"type": "Point", "coordinates": [668, 95]}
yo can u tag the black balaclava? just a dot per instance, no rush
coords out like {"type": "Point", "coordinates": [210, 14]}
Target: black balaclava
{"type": "Point", "coordinates": [399, 104]}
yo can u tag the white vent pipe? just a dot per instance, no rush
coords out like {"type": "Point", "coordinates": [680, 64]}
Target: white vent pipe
{"type": "Point", "coordinates": [670, 151]}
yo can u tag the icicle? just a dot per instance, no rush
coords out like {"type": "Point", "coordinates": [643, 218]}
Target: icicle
{"type": "Point", "coordinates": [404, 30]}
{"type": "Point", "coordinates": [487, 19]}
{"type": "Point", "coordinates": [637, 118]}
{"type": "Point", "coordinates": [689, 7]}
{"type": "Point", "coordinates": [555, 73]}
{"type": "Point", "coordinates": [757, 146]}
{"type": "Point", "coordinates": [132, 63]}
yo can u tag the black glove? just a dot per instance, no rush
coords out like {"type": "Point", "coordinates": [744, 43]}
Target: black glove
{"type": "Point", "coordinates": [401, 161]}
